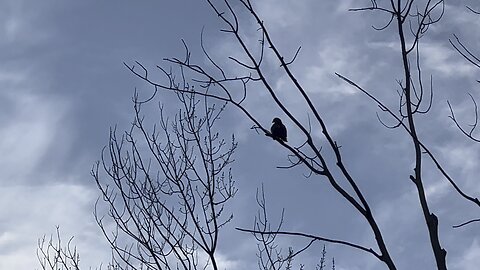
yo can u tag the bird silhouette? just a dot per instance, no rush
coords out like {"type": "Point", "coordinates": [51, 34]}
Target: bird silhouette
{"type": "Point", "coordinates": [278, 130]}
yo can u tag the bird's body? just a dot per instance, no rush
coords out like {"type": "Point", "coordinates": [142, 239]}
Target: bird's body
{"type": "Point", "coordinates": [278, 130]}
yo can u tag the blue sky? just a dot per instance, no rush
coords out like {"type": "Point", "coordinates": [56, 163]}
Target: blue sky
{"type": "Point", "coordinates": [63, 85]}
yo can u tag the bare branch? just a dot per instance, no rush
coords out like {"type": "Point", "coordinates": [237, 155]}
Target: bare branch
{"type": "Point", "coordinates": [313, 237]}
{"type": "Point", "coordinates": [466, 223]}
{"type": "Point", "coordinates": [473, 126]}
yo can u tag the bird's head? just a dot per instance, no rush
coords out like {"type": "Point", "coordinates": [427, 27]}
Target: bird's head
{"type": "Point", "coordinates": [276, 120]}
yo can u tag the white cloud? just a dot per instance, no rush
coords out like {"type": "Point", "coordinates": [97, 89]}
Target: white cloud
{"type": "Point", "coordinates": [441, 59]}
{"type": "Point", "coordinates": [35, 211]}
{"type": "Point", "coordinates": [29, 125]}
{"type": "Point", "coordinates": [20, 24]}
{"type": "Point", "coordinates": [435, 191]}
{"type": "Point", "coordinates": [462, 160]}
{"type": "Point", "coordinates": [436, 57]}
{"type": "Point", "coordinates": [33, 127]}
{"type": "Point", "coordinates": [470, 258]}
{"type": "Point", "coordinates": [279, 13]}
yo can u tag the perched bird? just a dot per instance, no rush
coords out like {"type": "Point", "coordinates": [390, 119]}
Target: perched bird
{"type": "Point", "coordinates": [278, 130]}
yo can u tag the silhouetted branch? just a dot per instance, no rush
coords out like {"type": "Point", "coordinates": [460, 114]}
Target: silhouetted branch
{"type": "Point", "coordinates": [166, 192]}
{"type": "Point", "coordinates": [466, 223]}
{"type": "Point", "coordinates": [424, 147]}
{"type": "Point", "coordinates": [270, 255]}
{"type": "Point", "coordinates": [418, 23]}
{"type": "Point", "coordinates": [465, 52]}
{"type": "Point", "coordinates": [473, 126]}
{"type": "Point", "coordinates": [313, 237]}
{"type": "Point", "coordinates": [52, 255]}
{"type": "Point", "coordinates": [413, 99]}
{"type": "Point", "coordinates": [472, 10]}
{"type": "Point", "coordinates": [473, 59]}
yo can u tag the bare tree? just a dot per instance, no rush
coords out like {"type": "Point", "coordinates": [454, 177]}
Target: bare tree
{"type": "Point", "coordinates": [52, 254]}
{"type": "Point", "coordinates": [167, 188]}
{"type": "Point", "coordinates": [167, 206]}
{"type": "Point", "coordinates": [414, 18]}
{"type": "Point", "coordinates": [469, 129]}
{"type": "Point", "coordinates": [270, 255]}
{"type": "Point", "coordinates": [218, 85]}
{"type": "Point", "coordinates": [322, 264]}
{"type": "Point", "coordinates": [410, 19]}
{"type": "Point", "coordinates": [474, 59]}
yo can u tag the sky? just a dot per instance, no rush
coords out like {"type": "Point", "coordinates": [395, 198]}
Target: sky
{"type": "Point", "coordinates": [63, 84]}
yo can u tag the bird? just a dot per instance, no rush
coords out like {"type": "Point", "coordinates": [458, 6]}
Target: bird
{"type": "Point", "coordinates": [278, 130]}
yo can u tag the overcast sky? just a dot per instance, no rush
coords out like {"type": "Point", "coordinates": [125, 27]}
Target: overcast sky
{"type": "Point", "coordinates": [63, 85]}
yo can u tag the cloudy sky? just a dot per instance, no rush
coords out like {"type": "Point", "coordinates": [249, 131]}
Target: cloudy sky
{"type": "Point", "coordinates": [63, 85]}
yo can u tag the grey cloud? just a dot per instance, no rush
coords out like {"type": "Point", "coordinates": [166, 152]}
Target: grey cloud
{"type": "Point", "coordinates": [65, 59]}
